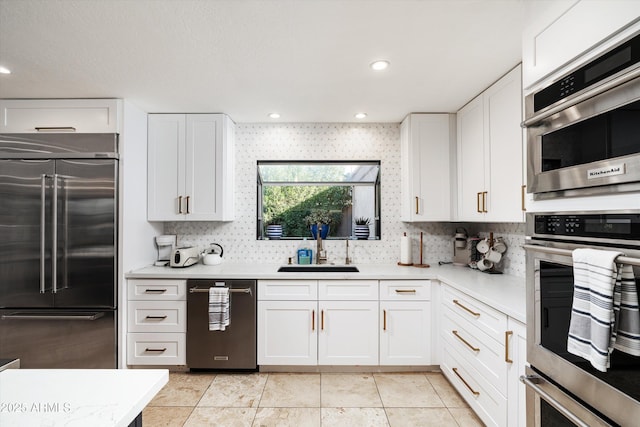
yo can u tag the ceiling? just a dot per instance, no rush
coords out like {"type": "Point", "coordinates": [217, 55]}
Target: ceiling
{"type": "Point", "coordinates": [306, 59]}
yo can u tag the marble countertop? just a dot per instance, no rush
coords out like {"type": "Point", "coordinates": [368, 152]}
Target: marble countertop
{"type": "Point", "coordinates": [76, 397]}
{"type": "Point", "coordinates": [503, 292]}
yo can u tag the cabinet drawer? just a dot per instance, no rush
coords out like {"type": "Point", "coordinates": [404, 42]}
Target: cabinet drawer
{"type": "Point", "coordinates": [79, 115]}
{"type": "Point", "coordinates": [487, 319]}
{"type": "Point", "coordinates": [475, 346]}
{"type": "Point", "coordinates": [402, 290]}
{"type": "Point", "coordinates": [156, 349]}
{"type": "Point", "coordinates": [157, 290]}
{"type": "Point", "coordinates": [486, 401]}
{"type": "Point", "coordinates": [157, 316]}
{"type": "Point", "coordinates": [348, 290]}
{"type": "Point", "coordinates": [287, 290]}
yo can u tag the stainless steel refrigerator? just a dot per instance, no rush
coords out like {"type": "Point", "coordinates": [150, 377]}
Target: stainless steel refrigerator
{"type": "Point", "coordinates": [58, 249]}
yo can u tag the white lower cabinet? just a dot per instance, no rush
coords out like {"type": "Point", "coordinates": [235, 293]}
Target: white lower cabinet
{"type": "Point", "coordinates": [405, 322]}
{"type": "Point", "coordinates": [517, 353]}
{"type": "Point", "coordinates": [156, 322]}
{"type": "Point", "coordinates": [287, 333]}
{"type": "Point", "coordinates": [348, 333]}
{"type": "Point", "coordinates": [483, 355]}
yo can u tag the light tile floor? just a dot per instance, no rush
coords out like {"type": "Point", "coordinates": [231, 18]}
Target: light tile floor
{"type": "Point", "coordinates": [296, 400]}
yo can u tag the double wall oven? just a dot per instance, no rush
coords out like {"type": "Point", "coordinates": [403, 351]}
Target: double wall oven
{"type": "Point", "coordinates": [563, 389]}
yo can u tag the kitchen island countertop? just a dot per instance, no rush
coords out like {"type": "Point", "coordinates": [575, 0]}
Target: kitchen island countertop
{"type": "Point", "coordinates": [76, 397]}
{"type": "Point", "coordinates": [503, 292]}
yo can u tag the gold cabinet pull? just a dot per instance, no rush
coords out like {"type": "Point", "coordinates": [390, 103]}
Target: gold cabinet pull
{"type": "Point", "coordinates": [179, 204]}
{"type": "Point", "coordinates": [475, 393]}
{"type": "Point", "coordinates": [313, 320]}
{"type": "Point", "coordinates": [322, 320]}
{"type": "Point", "coordinates": [417, 205]}
{"type": "Point", "coordinates": [157, 350]}
{"type": "Point", "coordinates": [187, 198]}
{"type": "Point", "coordinates": [456, 302]}
{"type": "Point", "coordinates": [384, 320]}
{"type": "Point", "coordinates": [478, 195]}
{"type": "Point", "coordinates": [156, 317]}
{"type": "Point", "coordinates": [405, 291]}
{"type": "Point", "coordinates": [484, 201]}
{"type": "Point", "coordinates": [155, 291]}
{"type": "Point", "coordinates": [465, 341]}
{"type": "Point", "coordinates": [522, 191]}
{"type": "Point", "coordinates": [507, 335]}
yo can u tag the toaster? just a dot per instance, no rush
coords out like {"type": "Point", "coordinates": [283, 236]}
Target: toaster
{"type": "Point", "coordinates": [184, 257]}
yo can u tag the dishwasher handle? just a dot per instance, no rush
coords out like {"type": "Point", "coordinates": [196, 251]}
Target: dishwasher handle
{"type": "Point", "coordinates": [233, 291]}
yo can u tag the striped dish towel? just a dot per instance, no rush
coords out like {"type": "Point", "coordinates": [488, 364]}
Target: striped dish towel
{"type": "Point", "coordinates": [604, 309]}
{"type": "Point", "coordinates": [219, 317]}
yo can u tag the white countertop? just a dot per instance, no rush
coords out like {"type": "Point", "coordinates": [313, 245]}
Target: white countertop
{"type": "Point", "coordinates": [503, 292]}
{"type": "Point", "coordinates": [76, 397]}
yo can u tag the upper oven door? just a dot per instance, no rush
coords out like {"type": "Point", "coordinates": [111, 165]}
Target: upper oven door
{"type": "Point", "coordinates": [587, 148]}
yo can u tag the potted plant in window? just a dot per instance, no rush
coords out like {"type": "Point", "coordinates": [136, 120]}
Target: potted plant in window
{"type": "Point", "coordinates": [274, 229]}
{"type": "Point", "coordinates": [322, 217]}
{"type": "Point", "coordinates": [362, 228]}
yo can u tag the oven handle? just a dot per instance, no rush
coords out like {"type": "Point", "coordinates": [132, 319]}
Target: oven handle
{"type": "Point", "coordinates": [532, 382]}
{"type": "Point", "coordinates": [582, 97]}
{"type": "Point", "coordinates": [566, 252]}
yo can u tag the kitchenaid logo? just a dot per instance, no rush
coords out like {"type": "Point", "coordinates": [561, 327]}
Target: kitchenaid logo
{"type": "Point", "coordinates": [608, 171]}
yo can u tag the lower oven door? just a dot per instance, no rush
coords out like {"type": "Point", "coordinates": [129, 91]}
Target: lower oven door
{"type": "Point", "coordinates": [616, 393]}
{"type": "Point", "coordinates": [548, 405]}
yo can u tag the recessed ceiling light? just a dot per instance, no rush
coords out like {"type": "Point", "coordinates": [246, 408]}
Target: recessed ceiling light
{"type": "Point", "coordinates": [4, 70]}
{"type": "Point", "coordinates": [274, 115]}
{"type": "Point", "coordinates": [361, 115]}
{"type": "Point", "coordinates": [379, 65]}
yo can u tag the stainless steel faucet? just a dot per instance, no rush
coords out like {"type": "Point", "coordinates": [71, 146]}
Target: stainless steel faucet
{"type": "Point", "coordinates": [347, 259]}
{"type": "Point", "coordinates": [321, 254]}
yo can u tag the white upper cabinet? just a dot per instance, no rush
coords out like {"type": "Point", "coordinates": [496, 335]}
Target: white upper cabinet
{"type": "Point", "coordinates": [490, 154]}
{"type": "Point", "coordinates": [426, 141]}
{"type": "Point", "coordinates": [557, 32]}
{"type": "Point", "coordinates": [61, 115]}
{"type": "Point", "coordinates": [190, 171]}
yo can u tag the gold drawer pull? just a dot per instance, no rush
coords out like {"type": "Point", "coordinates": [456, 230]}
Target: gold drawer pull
{"type": "Point", "coordinates": [313, 320]}
{"type": "Point", "coordinates": [475, 393]}
{"type": "Point", "coordinates": [484, 202]}
{"type": "Point", "coordinates": [478, 196]}
{"type": "Point", "coordinates": [456, 302]}
{"type": "Point", "coordinates": [156, 350]}
{"type": "Point", "coordinates": [417, 205]}
{"type": "Point", "coordinates": [384, 320]}
{"type": "Point", "coordinates": [155, 291]}
{"type": "Point", "coordinates": [179, 204]}
{"type": "Point", "coordinates": [405, 291]}
{"type": "Point", "coordinates": [187, 199]}
{"type": "Point", "coordinates": [55, 129]}
{"type": "Point", "coordinates": [156, 317]}
{"type": "Point", "coordinates": [465, 341]}
{"type": "Point", "coordinates": [507, 335]}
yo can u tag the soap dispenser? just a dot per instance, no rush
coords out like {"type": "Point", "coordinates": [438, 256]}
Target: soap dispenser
{"type": "Point", "coordinates": [305, 253]}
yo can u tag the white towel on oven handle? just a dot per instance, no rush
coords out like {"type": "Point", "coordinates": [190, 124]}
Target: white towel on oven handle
{"type": "Point", "coordinates": [626, 330]}
{"type": "Point", "coordinates": [604, 309]}
{"type": "Point", "coordinates": [219, 317]}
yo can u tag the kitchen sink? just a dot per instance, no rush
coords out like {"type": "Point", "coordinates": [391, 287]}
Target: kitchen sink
{"type": "Point", "coordinates": [315, 268]}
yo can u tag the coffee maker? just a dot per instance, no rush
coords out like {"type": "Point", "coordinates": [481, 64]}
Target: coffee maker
{"type": "Point", "coordinates": [165, 245]}
{"type": "Point", "coordinates": [461, 248]}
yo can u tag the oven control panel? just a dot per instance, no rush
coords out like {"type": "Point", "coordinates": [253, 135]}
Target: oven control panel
{"type": "Point", "coordinates": [619, 226]}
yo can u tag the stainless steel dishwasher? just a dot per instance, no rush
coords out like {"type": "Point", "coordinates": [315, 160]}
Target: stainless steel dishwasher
{"type": "Point", "coordinates": [233, 348]}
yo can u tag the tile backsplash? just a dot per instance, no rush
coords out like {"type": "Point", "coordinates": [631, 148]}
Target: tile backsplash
{"type": "Point", "coordinates": [331, 141]}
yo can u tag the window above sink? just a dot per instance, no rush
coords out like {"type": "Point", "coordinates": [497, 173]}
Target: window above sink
{"type": "Point", "coordinates": [294, 195]}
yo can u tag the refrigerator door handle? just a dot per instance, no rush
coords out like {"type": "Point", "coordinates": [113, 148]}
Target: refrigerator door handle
{"type": "Point", "coordinates": [43, 205]}
{"type": "Point", "coordinates": [48, 316]}
{"type": "Point", "coordinates": [54, 238]}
